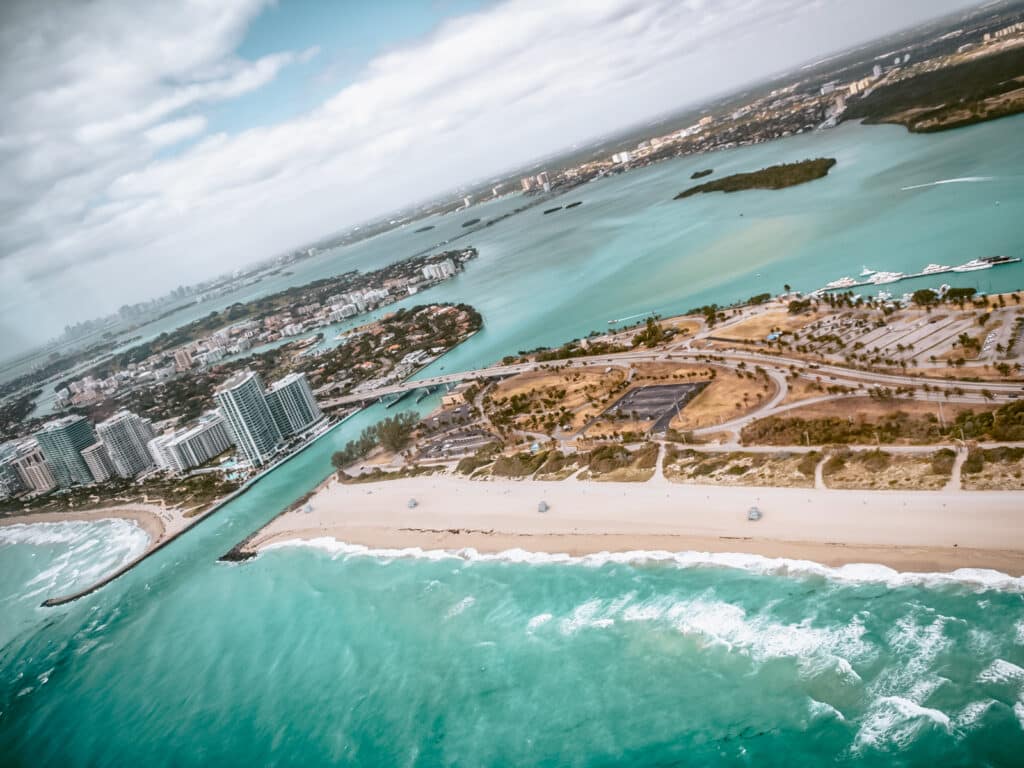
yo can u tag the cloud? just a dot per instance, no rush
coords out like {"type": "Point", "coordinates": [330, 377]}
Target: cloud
{"type": "Point", "coordinates": [89, 93]}
{"type": "Point", "coordinates": [175, 131]}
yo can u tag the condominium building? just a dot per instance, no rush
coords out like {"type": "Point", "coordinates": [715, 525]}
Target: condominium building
{"type": "Point", "coordinates": [292, 404]}
{"type": "Point", "coordinates": [439, 270]}
{"type": "Point", "coordinates": [243, 405]}
{"type": "Point", "coordinates": [62, 442]}
{"type": "Point", "coordinates": [28, 461]}
{"type": "Point", "coordinates": [190, 447]}
{"type": "Point", "coordinates": [125, 436]}
{"type": "Point", "coordinates": [98, 461]}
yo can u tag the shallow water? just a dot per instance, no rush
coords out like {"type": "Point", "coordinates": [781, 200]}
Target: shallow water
{"type": "Point", "coordinates": [324, 656]}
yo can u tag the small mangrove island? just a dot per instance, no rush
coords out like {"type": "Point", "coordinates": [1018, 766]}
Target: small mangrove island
{"type": "Point", "coordinates": [471, 222]}
{"type": "Point", "coordinates": [702, 174]}
{"type": "Point", "coordinates": [773, 177]}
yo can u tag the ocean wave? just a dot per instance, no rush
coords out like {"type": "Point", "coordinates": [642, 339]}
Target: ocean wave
{"type": "Point", "coordinates": [940, 182]}
{"type": "Point", "coordinates": [88, 550]}
{"type": "Point", "coordinates": [1001, 671]}
{"type": "Point", "coordinates": [897, 722]}
{"type": "Point", "coordinates": [855, 573]}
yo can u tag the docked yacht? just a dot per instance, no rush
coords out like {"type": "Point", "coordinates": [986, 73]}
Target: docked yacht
{"type": "Point", "coordinates": [842, 282]}
{"type": "Point", "coordinates": [881, 278]}
{"type": "Point", "coordinates": [974, 265]}
{"type": "Point", "coordinates": [936, 269]}
{"type": "Point", "coordinates": [866, 272]}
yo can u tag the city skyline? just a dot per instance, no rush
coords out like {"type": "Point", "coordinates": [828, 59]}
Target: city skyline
{"type": "Point", "coordinates": [161, 178]}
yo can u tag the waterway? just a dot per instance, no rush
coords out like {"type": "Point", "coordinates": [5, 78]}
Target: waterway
{"type": "Point", "coordinates": [314, 656]}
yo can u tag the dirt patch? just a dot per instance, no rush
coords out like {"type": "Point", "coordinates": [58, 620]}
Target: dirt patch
{"type": "Point", "coordinates": [758, 327]}
{"type": "Point", "coordinates": [729, 396]}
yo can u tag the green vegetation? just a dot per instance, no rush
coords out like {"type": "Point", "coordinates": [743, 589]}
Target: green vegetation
{"type": "Point", "coordinates": [393, 433]}
{"type": "Point", "coordinates": [519, 465]}
{"type": "Point", "coordinates": [652, 335]}
{"type": "Point", "coordinates": [809, 463]}
{"type": "Point", "coordinates": [195, 494]}
{"type": "Point", "coordinates": [759, 299]}
{"type": "Point", "coordinates": [576, 349]}
{"type": "Point", "coordinates": [799, 306]}
{"type": "Point", "coordinates": [947, 98]}
{"type": "Point", "coordinates": [14, 412]}
{"type": "Point", "coordinates": [773, 177]}
{"type": "Point", "coordinates": [702, 174]}
{"type": "Point", "coordinates": [1004, 424]}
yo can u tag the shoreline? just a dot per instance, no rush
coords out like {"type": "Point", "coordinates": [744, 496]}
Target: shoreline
{"type": "Point", "coordinates": [919, 531]}
{"type": "Point", "coordinates": [146, 516]}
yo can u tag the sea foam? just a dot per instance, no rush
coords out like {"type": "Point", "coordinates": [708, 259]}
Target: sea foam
{"type": "Point", "coordinates": [855, 573]}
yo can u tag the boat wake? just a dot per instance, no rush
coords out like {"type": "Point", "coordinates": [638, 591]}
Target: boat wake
{"type": "Point", "coordinates": [855, 573]}
{"type": "Point", "coordinates": [964, 180]}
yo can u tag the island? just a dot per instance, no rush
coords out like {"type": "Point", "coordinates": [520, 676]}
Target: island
{"type": "Point", "coordinates": [470, 223]}
{"type": "Point", "coordinates": [702, 174]}
{"type": "Point", "coordinates": [773, 177]}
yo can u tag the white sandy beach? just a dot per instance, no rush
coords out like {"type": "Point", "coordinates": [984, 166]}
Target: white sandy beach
{"type": "Point", "coordinates": [157, 522]}
{"type": "Point", "coordinates": [908, 531]}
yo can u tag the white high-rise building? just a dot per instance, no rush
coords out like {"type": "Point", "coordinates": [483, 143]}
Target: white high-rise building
{"type": "Point", "coordinates": [125, 436]}
{"type": "Point", "coordinates": [98, 461]}
{"type": "Point", "coordinates": [190, 447]}
{"type": "Point", "coordinates": [292, 404]}
{"type": "Point", "coordinates": [244, 407]}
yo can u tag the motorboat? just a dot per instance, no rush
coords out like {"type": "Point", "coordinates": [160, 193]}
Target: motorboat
{"type": "Point", "coordinates": [935, 269]}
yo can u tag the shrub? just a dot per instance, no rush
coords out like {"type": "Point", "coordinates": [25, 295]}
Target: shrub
{"type": "Point", "coordinates": [975, 462]}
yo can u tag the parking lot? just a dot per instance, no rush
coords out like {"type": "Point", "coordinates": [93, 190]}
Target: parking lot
{"type": "Point", "coordinates": [655, 403]}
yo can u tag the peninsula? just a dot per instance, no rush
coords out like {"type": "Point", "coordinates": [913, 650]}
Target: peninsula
{"type": "Point", "coordinates": [665, 435]}
{"type": "Point", "coordinates": [773, 177]}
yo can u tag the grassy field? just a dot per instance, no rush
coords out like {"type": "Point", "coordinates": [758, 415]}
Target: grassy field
{"type": "Point", "coordinates": [729, 396]}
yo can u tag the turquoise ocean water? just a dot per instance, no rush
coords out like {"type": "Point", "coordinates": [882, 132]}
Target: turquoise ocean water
{"type": "Point", "coordinates": [322, 655]}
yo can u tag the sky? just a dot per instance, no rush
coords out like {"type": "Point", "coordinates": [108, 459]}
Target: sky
{"type": "Point", "coordinates": [147, 145]}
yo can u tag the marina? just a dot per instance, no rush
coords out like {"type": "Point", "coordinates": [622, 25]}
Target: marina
{"type": "Point", "coordinates": [885, 278]}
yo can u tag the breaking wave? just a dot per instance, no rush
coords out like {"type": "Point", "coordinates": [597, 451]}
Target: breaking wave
{"type": "Point", "coordinates": [856, 573]}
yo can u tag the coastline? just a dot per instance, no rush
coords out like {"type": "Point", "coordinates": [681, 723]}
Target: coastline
{"type": "Point", "coordinates": [146, 516]}
{"type": "Point", "coordinates": [919, 531]}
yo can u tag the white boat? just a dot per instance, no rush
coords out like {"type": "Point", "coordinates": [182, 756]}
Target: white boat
{"type": "Point", "coordinates": [883, 296]}
{"type": "Point", "coordinates": [842, 282]}
{"type": "Point", "coordinates": [973, 266]}
{"type": "Point", "coordinates": [866, 272]}
{"type": "Point", "coordinates": [935, 269]}
{"type": "Point", "coordinates": [881, 278]}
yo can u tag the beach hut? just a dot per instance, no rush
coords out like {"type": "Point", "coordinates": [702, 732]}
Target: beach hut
{"type": "Point", "coordinates": [543, 507]}
{"type": "Point", "coordinates": [754, 514]}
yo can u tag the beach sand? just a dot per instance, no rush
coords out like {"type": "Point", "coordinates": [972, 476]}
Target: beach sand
{"type": "Point", "coordinates": [154, 520]}
{"type": "Point", "coordinates": [908, 531]}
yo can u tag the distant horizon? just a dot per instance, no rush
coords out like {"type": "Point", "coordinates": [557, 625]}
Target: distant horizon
{"type": "Point", "coordinates": [38, 268]}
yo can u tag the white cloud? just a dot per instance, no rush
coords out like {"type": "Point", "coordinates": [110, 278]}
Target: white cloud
{"type": "Point", "coordinates": [175, 131]}
{"type": "Point", "coordinates": [89, 92]}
